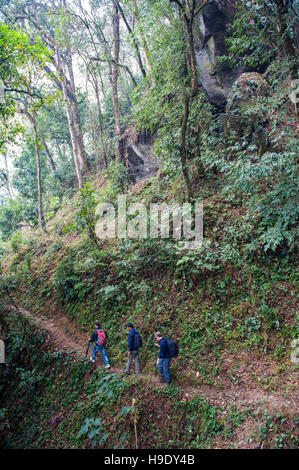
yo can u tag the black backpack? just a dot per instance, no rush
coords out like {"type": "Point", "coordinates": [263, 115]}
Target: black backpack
{"type": "Point", "coordinates": [172, 347]}
{"type": "Point", "coordinates": [137, 341]}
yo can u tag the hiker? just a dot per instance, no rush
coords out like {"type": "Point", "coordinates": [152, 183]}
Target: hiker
{"type": "Point", "coordinates": [134, 343]}
{"type": "Point", "coordinates": [163, 361]}
{"type": "Point", "coordinates": [100, 337]}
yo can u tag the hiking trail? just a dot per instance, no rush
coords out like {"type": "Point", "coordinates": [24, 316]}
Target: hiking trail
{"type": "Point", "coordinates": [63, 334]}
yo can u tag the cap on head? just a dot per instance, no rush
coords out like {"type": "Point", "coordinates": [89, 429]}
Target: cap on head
{"type": "Point", "coordinates": [129, 325]}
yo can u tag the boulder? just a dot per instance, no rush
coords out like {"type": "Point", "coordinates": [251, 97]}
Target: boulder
{"type": "Point", "coordinates": [138, 154]}
{"type": "Point", "coordinates": [244, 116]}
{"type": "Point", "coordinates": [142, 161]}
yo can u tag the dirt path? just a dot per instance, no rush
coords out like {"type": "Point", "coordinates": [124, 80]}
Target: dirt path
{"type": "Point", "coordinates": [62, 333]}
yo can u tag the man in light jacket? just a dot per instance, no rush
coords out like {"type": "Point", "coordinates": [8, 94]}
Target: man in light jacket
{"type": "Point", "coordinates": [133, 353]}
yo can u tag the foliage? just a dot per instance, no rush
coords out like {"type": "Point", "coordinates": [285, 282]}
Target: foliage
{"type": "Point", "coordinates": [256, 42]}
{"type": "Point", "coordinates": [67, 281]}
{"type": "Point", "coordinates": [94, 430]}
{"type": "Point", "coordinates": [16, 52]}
{"type": "Point", "coordinates": [274, 210]}
{"type": "Point", "coordinates": [118, 179]}
{"type": "Point", "coordinates": [8, 283]}
{"type": "Point", "coordinates": [53, 208]}
{"type": "Point", "coordinates": [228, 303]}
{"type": "Point", "coordinates": [157, 102]}
{"type": "Point", "coordinates": [11, 215]}
{"type": "Point", "coordinates": [86, 212]}
{"type": "Point", "coordinates": [16, 242]}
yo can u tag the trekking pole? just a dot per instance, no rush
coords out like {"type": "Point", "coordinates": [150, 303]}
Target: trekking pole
{"type": "Point", "coordinates": [156, 360]}
{"type": "Point", "coordinates": [87, 348]}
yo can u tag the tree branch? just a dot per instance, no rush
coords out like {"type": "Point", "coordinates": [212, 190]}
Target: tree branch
{"type": "Point", "coordinates": [112, 61]}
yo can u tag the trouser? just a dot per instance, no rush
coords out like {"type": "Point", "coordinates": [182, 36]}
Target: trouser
{"type": "Point", "coordinates": [163, 366]}
{"type": "Point", "coordinates": [98, 348]}
{"type": "Point", "coordinates": [133, 355]}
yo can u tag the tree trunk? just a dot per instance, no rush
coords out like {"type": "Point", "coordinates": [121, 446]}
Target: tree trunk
{"type": "Point", "coordinates": [193, 66]}
{"type": "Point", "coordinates": [139, 59]}
{"type": "Point", "coordinates": [183, 147]}
{"type": "Point", "coordinates": [82, 158]}
{"type": "Point", "coordinates": [101, 123]}
{"type": "Point", "coordinates": [92, 127]}
{"type": "Point", "coordinates": [7, 178]}
{"type": "Point", "coordinates": [72, 129]}
{"type": "Point", "coordinates": [142, 36]}
{"type": "Point", "coordinates": [38, 173]}
{"type": "Point", "coordinates": [188, 15]}
{"type": "Point", "coordinates": [74, 143]}
{"type": "Point", "coordinates": [73, 136]}
{"type": "Point", "coordinates": [115, 74]}
{"type": "Point", "coordinates": [49, 157]}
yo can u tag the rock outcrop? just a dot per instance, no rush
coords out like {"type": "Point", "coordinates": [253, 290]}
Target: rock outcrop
{"type": "Point", "coordinates": [234, 91]}
{"type": "Point", "coordinates": [138, 154]}
{"type": "Point", "coordinates": [210, 30]}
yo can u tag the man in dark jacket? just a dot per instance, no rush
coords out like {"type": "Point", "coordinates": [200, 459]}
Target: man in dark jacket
{"type": "Point", "coordinates": [99, 338]}
{"type": "Point", "coordinates": [164, 359]}
{"type": "Point", "coordinates": [133, 350]}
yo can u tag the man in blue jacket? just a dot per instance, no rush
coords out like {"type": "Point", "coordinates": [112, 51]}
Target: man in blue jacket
{"type": "Point", "coordinates": [163, 361]}
{"type": "Point", "coordinates": [133, 350]}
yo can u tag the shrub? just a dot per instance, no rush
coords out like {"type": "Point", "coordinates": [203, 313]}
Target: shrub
{"type": "Point", "coordinates": [16, 242]}
{"type": "Point", "coordinates": [86, 213]}
{"type": "Point", "coordinates": [67, 281]}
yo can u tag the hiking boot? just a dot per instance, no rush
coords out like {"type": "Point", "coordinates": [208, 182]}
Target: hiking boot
{"type": "Point", "coordinates": [92, 360]}
{"type": "Point", "coordinates": [107, 366]}
{"type": "Point", "coordinates": [162, 380]}
{"type": "Point", "coordinates": [125, 372]}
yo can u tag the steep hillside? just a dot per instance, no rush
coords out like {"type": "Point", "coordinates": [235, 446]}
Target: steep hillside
{"type": "Point", "coordinates": [234, 383]}
{"type": "Point", "coordinates": [176, 103]}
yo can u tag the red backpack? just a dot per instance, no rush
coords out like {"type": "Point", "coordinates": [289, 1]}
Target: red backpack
{"type": "Point", "coordinates": [101, 341]}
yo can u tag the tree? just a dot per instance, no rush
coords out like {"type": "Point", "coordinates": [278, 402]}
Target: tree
{"type": "Point", "coordinates": [52, 29]}
{"type": "Point", "coordinates": [32, 117]}
{"type": "Point", "coordinates": [107, 52]}
{"type": "Point", "coordinates": [134, 39]}
{"type": "Point", "coordinates": [172, 91]}
{"type": "Point", "coordinates": [17, 53]}
{"type": "Point", "coordinates": [188, 12]}
{"type": "Point", "coordinates": [115, 74]}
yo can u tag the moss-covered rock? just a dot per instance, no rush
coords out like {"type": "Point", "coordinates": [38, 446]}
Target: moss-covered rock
{"type": "Point", "coordinates": [246, 113]}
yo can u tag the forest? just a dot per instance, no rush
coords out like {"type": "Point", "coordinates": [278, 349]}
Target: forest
{"type": "Point", "coordinates": [173, 103]}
